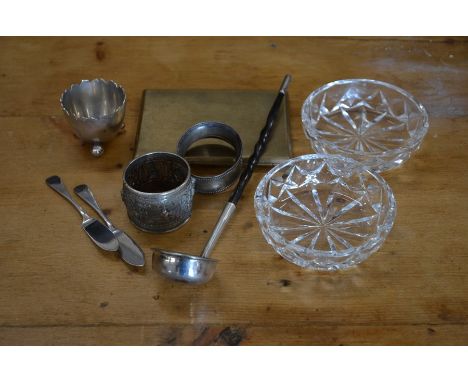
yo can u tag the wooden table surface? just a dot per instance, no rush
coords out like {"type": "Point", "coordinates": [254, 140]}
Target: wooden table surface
{"type": "Point", "coordinates": [57, 288]}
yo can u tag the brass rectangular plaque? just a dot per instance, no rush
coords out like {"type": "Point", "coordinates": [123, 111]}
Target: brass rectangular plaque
{"type": "Point", "coordinates": [167, 114]}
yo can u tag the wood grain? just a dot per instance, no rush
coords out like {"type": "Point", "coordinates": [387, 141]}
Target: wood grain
{"type": "Point", "coordinates": [57, 288]}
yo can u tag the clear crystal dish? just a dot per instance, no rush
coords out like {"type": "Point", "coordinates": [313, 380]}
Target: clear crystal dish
{"type": "Point", "coordinates": [324, 212]}
{"type": "Point", "coordinates": [373, 122]}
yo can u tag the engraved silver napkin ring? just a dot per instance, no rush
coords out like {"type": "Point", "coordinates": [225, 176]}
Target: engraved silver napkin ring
{"type": "Point", "coordinates": [158, 192]}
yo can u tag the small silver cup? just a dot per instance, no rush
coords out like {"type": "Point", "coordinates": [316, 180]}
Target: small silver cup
{"type": "Point", "coordinates": [158, 191]}
{"type": "Point", "coordinates": [95, 110]}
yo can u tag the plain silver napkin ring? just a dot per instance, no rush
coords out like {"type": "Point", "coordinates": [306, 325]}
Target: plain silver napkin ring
{"type": "Point", "coordinates": [216, 183]}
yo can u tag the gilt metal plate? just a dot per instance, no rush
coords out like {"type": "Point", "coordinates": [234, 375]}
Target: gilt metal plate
{"type": "Point", "coordinates": [167, 114]}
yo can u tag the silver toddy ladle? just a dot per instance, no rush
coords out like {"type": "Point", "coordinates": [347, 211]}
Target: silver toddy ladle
{"type": "Point", "coordinates": [200, 269]}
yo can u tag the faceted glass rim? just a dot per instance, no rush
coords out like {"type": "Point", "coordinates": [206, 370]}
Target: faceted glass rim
{"type": "Point", "coordinates": [410, 145]}
{"type": "Point", "coordinates": [368, 247]}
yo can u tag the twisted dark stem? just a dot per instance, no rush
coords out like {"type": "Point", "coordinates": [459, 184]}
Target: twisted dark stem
{"type": "Point", "coordinates": [261, 144]}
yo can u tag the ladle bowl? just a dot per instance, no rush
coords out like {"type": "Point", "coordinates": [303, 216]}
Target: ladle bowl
{"type": "Point", "coordinates": [184, 267]}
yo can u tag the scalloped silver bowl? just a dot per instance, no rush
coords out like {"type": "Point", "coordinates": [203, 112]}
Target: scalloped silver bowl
{"type": "Point", "coordinates": [373, 122]}
{"type": "Point", "coordinates": [95, 110]}
{"type": "Point", "coordinates": [324, 212]}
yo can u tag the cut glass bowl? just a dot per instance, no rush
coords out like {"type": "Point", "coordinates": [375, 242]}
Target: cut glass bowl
{"type": "Point", "coordinates": [373, 122]}
{"type": "Point", "coordinates": [324, 212]}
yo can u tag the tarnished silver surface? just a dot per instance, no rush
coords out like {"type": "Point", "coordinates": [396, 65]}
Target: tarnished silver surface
{"type": "Point", "coordinates": [95, 110]}
{"type": "Point", "coordinates": [158, 191]}
{"type": "Point", "coordinates": [193, 269]}
{"type": "Point", "coordinates": [217, 183]}
{"type": "Point", "coordinates": [97, 232]}
{"type": "Point", "coordinates": [130, 252]}
{"type": "Point", "coordinates": [183, 267]}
